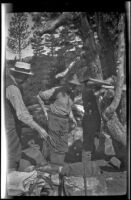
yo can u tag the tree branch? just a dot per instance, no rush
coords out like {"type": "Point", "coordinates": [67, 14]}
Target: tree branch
{"type": "Point", "coordinates": [51, 25]}
{"type": "Point", "coordinates": [65, 72]}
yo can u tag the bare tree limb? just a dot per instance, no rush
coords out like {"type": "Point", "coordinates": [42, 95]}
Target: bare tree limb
{"type": "Point", "coordinates": [51, 25]}
{"type": "Point", "coordinates": [65, 72]}
{"type": "Point", "coordinates": [116, 130]}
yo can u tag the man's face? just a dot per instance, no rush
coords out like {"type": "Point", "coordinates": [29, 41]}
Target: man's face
{"type": "Point", "coordinates": [22, 79]}
{"type": "Point", "coordinates": [76, 89]}
{"type": "Point", "coordinates": [72, 87]}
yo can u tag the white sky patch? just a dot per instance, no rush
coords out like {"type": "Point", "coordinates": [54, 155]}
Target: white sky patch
{"type": "Point", "coordinates": [29, 51]}
{"type": "Point", "coordinates": [73, 49]}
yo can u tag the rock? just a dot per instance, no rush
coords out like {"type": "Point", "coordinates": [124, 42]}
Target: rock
{"type": "Point", "coordinates": [23, 165]}
{"type": "Point", "coordinates": [115, 162]}
{"type": "Point", "coordinates": [94, 186]}
{"type": "Point", "coordinates": [55, 179]}
{"type": "Point", "coordinates": [109, 149]}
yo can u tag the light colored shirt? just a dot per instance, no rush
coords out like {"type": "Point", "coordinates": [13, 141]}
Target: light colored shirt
{"type": "Point", "coordinates": [62, 104]}
{"type": "Point", "coordinates": [13, 94]}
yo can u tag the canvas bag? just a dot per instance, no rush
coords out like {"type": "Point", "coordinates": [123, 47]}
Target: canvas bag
{"type": "Point", "coordinates": [33, 156]}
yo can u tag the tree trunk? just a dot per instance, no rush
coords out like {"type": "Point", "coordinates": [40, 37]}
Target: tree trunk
{"type": "Point", "coordinates": [120, 73]}
{"type": "Point", "coordinates": [115, 128]}
{"type": "Point", "coordinates": [106, 48]}
{"type": "Point", "coordinates": [122, 110]}
{"type": "Point", "coordinates": [91, 53]}
{"type": "Point", "coordinates": [91, 119]}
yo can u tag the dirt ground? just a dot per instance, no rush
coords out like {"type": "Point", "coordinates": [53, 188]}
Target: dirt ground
{"type": "Point", "coordinates": [115, 179]}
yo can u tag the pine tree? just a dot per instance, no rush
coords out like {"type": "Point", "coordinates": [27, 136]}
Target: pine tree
{"type": "Point", "coordinates": [51, 42]}
{"type": "Point", "coordinates": [70, 45]}
{"type": "Point", "coordinates": [18, 34]}
{"type": "Point", "coordinates": [65, 42]}
{"type": "Point", "coordinates": [37, 44]}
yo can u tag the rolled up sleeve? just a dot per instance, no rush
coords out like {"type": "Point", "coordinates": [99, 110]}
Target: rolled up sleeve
{"type": "Point", "coordinates": [45, 95]}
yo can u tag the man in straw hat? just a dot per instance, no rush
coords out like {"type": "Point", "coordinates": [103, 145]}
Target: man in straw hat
{"type": "Point", "coordinates": [59, 113]}
{"type": "Point", "coordinates": [16, 112]}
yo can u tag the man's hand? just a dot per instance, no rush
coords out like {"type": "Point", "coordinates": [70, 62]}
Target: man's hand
{"type": "Point", "coordinates": [75, 122]}
{"type": "Point", "coordinates": [72, 118]}
{"type": "Point", "coordinates": [46, 114]}
{"type": "Point", "coordinates": [44, 135]}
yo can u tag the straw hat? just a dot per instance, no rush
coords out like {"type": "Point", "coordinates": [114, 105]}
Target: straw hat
{"type": "Point", "coordinates": [22, 67]}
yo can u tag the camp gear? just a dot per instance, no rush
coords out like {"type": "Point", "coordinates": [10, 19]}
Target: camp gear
{"type": "Point", "coordinates": [18, 182]}
{"type": "Point", "coordinates": [96, 81]}
{"type": "Point", "coordinates": [31, 156]}
{"type": "Point", "coordinates": [74, 153]}
{"type": "Point", "coordinates": [57, 158]}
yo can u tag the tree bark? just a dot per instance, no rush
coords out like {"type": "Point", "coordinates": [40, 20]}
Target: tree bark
{"type": "Point", "coordinates": [120, 73]}
{"type": "Point", "coordinates": [67, 70]}
{"type": "Point", "coordinates": [51, 25]}
{"type": "Point", "coordinates": [106, 47]}
{"type": "Point", "coordinates": [122, 112]}
{"type": "Point", "coordinates": [116, 130]}
{"type": "Point", "coordinates": [91, 53]}
{"type": "Point", "coordinates": [91, 119]}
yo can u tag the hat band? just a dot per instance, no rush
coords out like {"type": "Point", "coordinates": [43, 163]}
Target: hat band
{"type": "Point", "coordinates": [22, 70]}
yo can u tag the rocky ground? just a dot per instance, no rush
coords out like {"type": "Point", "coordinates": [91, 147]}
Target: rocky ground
{"type": "Point", "coordinates": [112, 178]}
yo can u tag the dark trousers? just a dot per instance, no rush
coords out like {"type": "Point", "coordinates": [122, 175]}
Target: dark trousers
{"type": "Point", "coordinates": [13, 148]}
{"type": "Point", "coordinates": [91, 128]}
{"type": "Point", "coordinates": [58, 127]}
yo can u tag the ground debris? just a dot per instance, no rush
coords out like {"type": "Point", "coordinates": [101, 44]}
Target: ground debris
{"type": "Point", "coordinates": [95, 186]}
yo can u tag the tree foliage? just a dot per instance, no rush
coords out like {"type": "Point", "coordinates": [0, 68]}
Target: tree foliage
{"type": "Point", "coordinates": [37, 44]}
{"type": "Point", "coordinates": [18, 33]}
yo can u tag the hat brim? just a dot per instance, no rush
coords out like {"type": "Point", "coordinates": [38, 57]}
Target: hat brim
{"type": "Point", "coordinates": [74, 83]}
{"type": "Point", "coordinates": [28, 73]}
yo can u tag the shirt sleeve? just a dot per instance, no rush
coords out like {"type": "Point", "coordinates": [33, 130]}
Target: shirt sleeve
{"type": "Point", "coordinates": [45, 95]}
{"type": "Point", "coordinates": [13, 94]}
